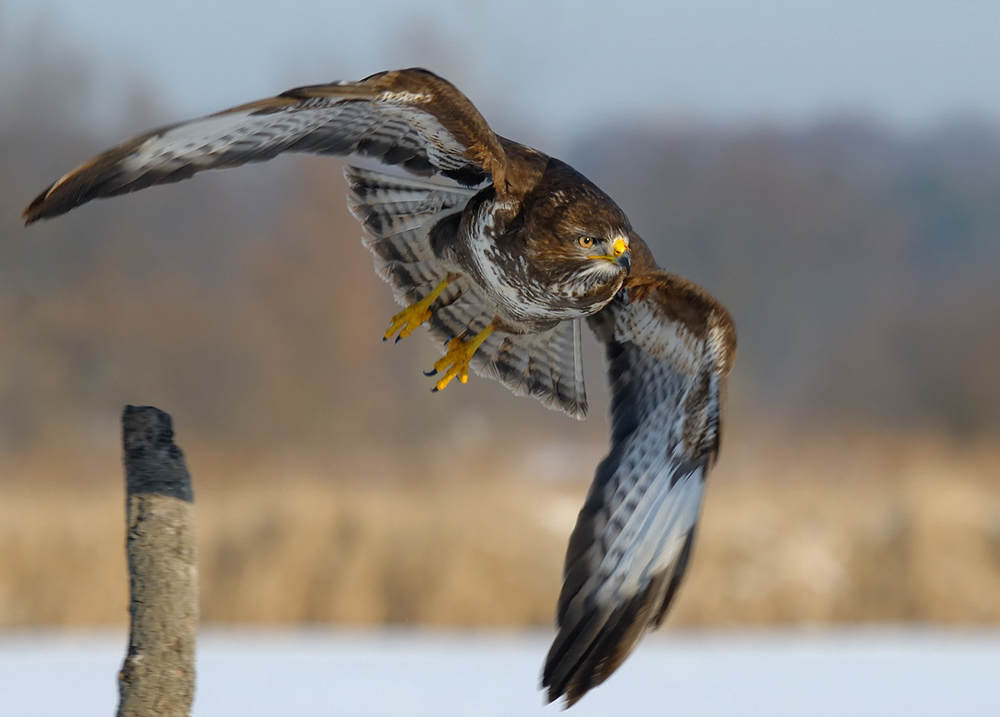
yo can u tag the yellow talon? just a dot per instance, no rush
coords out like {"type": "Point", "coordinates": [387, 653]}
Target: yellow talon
{"type": "Point", "coordinates": [458, 357]}
{"type": "Point", "coordinates": [407, 320]}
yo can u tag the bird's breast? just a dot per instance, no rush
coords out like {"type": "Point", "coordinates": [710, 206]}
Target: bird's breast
{"type": "Point", "coordinates": [527, 292]}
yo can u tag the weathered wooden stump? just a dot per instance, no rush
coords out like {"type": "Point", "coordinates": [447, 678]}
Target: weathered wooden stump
{"type": "Point", "coordinates": [158, 675]}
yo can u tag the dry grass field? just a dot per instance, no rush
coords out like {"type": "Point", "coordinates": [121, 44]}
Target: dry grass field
{"type": "Point", "coordinates": [796, 530]}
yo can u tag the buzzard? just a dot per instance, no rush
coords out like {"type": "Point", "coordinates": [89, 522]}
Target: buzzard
{"type": "Point", "coordinates": [503, 263]}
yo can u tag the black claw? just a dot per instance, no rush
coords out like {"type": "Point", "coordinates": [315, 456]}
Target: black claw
{"type": "Point", "coordinates": [384, 339]}
{"type": "Point", "coordinates": [432, 372]}
{"type": "Point", "coordinates": [397, 339]}
{"type": "Point", "coordinates": [434, 390]}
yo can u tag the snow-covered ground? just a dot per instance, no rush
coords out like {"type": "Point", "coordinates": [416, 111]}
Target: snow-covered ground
{"type": "Point", "coordinates": [246, 673]}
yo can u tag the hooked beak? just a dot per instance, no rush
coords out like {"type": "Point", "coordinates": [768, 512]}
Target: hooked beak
{"type": "Point", "coordinates": [619, 255]}
{"type": "Point", "coordinates": [623, 257]}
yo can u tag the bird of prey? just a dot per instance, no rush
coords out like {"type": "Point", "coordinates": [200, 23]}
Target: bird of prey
{"type": "Point", "coordinates": [504, 263]}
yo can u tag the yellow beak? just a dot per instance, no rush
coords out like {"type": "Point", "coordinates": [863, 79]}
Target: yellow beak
{"type": "Point", "coordinates": [623, 257]}
{"type": "Point", "coordinates": [619, 255]}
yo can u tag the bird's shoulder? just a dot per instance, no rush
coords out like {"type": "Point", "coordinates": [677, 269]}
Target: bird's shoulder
{"type": "Point", "coordinates": [658, 307]}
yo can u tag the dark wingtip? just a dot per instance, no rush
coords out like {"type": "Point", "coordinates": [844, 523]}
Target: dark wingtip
{"type": "Point", "coordinates": [37, 210]}
{"type": "Point", "coordinates": [554, 693]}
{"type": "Point", "coordinates": [589, 650]}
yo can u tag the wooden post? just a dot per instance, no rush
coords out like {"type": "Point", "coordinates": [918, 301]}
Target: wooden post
{"type": "Point", "coordinates": [158, 675]}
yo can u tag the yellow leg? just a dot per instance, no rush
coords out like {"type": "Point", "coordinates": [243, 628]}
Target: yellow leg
{"type": "Point", "coordinates": [415, 314]}
{"type": "Point", "coordinates": [458, 357]}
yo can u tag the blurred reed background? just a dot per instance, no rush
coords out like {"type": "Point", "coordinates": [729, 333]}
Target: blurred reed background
{"type": "Point", "coordinates": [860, 470]}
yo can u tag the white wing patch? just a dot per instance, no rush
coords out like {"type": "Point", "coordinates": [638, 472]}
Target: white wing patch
{"type": "Point", "coordinates": [404, 97]}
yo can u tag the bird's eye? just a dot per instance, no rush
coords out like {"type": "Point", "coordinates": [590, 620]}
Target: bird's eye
{"type": "Point", "coordinates": [586, 242]}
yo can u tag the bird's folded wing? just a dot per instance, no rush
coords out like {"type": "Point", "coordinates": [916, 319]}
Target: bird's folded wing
{"type": "Point", "coordinates": [411, 118]}
{"type": "Point", "coordinates": [669, 346]}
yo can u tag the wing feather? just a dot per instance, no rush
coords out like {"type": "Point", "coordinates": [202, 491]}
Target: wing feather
{"type": "Point", "coordinates": [547, 365]}
{"type": "Point", "coordinates": [409, 225]}
{"type": "Point", "coordinates": [669, 346]}
{"type": "Point", "coordinates": [411, 118]}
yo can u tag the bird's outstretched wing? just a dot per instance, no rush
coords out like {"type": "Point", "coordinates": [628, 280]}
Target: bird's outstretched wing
{"type": "Point", "coordinates": [669, 346]}
{"type": "Point", "coordinates": [411, 118]}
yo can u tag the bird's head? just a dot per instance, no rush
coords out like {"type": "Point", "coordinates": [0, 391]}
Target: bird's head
{"type": "Point", "coordinates": [578, 237]}
{"type": "Point", "coordinates": [591, 241]}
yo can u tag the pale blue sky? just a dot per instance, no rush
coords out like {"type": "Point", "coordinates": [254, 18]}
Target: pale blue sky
{"type": "Point", "coordinates": [541, 66]}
